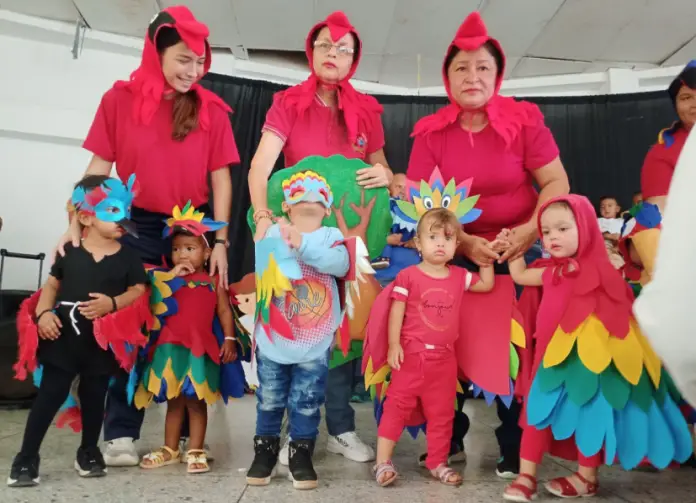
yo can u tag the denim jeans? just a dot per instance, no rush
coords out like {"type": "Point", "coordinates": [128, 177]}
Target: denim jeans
{"type": "Point", "coordinates": [340, 416]}
{"type": "Point", "coordinates": [300, 388]}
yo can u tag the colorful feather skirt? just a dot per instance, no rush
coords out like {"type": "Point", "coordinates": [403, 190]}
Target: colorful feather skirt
{"type": "Point", "coordinates": [175, 371]}
{"type": "Point", "coordinates": [610, 395]}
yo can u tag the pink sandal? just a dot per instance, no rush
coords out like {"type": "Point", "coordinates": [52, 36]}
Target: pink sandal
{"type": "Point", "coordinates": [385, 468]}
{"type": "Point", "coordinates": [527, 493]}
{"type": "Point", "coordinates": [444, 474]}
{"type": "Point", "coordinates": [566, 489]}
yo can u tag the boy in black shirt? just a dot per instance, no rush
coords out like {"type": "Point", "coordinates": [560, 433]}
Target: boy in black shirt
{"type": "Point", "coordinates": [92, 281]}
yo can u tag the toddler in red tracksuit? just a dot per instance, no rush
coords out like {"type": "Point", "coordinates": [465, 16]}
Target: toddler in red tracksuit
{"type": "Point", "coordinates": [423, 327]}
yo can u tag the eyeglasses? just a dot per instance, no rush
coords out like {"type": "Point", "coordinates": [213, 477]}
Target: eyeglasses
{"type": "Point", "coordinates": [341, 50]}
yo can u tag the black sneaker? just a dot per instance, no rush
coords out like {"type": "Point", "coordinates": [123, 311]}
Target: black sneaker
{"type": "Point", "coordinates": [90, 462]}
{"type": "Point", "coordinates": [263, 468]}
{"type": "Point", "coordinates": [508, 467]}
{"type": "Point", "coordinates": [24, 472]}
{"type": "Point", "coordinates": [380, 263]}
{"type": "Point", "coordinates": [302, 471]}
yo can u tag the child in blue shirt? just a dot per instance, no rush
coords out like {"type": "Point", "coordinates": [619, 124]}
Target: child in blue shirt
{"type": "Point", "coordinates": [292, 371]}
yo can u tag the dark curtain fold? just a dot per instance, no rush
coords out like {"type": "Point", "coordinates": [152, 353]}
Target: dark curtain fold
{"type": "Point", "coordinates": [603, 141]}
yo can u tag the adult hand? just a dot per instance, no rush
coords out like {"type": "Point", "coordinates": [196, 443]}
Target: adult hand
{"type": "Point", "coordinates": [394, 240]}
{"type": "Point", "coordinates": [479, 251]}
{"type": "Point", "coordinates": [97, 307]}
{"type": "Point", "coordinates": [72, 235]}
{"type": "Point", "coordinates": [373, 177]}
{"type": "Point", "coordinates": [49, 326]}
{"type": "Point", "coordinates": [218, 264]}
{"type": "Point", "coordinates": [521, 239]}
{"type": "Point", "coordinates": [262, 226]}
{"type": "Point", "coordinates": [410, 244]}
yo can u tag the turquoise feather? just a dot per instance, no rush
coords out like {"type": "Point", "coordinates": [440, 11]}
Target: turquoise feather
{"type": "Point", "coordinates": [660, 443]}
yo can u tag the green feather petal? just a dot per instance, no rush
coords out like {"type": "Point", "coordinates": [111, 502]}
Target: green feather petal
{"type": "Point", "coordinates": [514, 362]}
{"type": "Point", "coordinates": [615, 389]}
{"type": "Point", "coordinates": [642, 393]}
{"type": "Point", "coordinates": [408, 209]}
{"type": "Point", "coordinates": [466, 205]}
{"type": "Point", "coordinates": [581, 383]}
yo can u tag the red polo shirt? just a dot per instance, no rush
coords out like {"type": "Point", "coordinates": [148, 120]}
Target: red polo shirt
{"type": "Point", "coordinates": [169, 172]}
{"type": "Point", "coordinates": [502, 176]}
{"type": "Point", "coordinates": [319, 132]}
{"type": "Point", "coordinates": [659, 164]}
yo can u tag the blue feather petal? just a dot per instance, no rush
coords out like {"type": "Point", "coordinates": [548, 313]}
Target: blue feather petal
{"type": "Point", "coordinates": [631, 430]}
{"type": "Point", "coordinates": [470, 216]}
{"type": "Point", "coordinates": [660, 441]}
{"type": "Point", "coordinates": [565, 418]}
{"type": "Point", "coordinates": [540, 405]}
{"type": "Point", "coordinates": [594, 419]}
{"type": "Point", "coordinates": [683, 445]}
{"type": "Point", "coordinates": [610, 441]}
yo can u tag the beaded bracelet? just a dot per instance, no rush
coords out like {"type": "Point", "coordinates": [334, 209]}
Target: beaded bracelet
{"type": "Point", "coordinates": [259, 214]}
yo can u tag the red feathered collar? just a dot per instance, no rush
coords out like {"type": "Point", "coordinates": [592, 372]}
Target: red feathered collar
{"type": "Point", "coordinates": [357, 108]}
{"type": "Point", "coordinates": [505, 115]}
{"type": "Point", "coordinates": [576, 287]}
{"type": "Point", "coordinates": [147, 82]}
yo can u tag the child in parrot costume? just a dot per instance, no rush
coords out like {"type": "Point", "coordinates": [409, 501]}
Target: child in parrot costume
{"type": "Point", "coordinates": [598, 393]}
{"type": "Point", "coordinates": [81, 326]}
{"type": "Point", "coordinates": [301, 312]}
{"type": "Point", "coordinates": [191, 353]}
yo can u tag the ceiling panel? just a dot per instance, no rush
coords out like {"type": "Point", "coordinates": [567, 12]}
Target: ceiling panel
{"type": "Point", "coordinates": [535, 67]}
{"type": "Point", "coordinates": [658, 28]}
{"type": "Point", "coordinates": [127, 17]}
{"type": "Point", "coordinates": [683, 55]}
{"type": "Point", "coordinates": [217, 14]}
{"type": "Point", "coordinates": [517, 24]}
{"type": "Point", "coordinates": [369, 67]}
{"type": "Point", "coordinates": [583, 29]}
{"type": "Point", "coordinates": [426, 27]}
{"type": "Point", "coordinates": [403, 71]}
{"type": "Point", "coordinates": [61, 10]}
{"type": "Point", "coordinates": [370, 17]}
{"type": "Point", "coordinates": [274, 24]}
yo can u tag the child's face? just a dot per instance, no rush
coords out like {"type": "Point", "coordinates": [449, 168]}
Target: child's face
{"type": "Point", "coordinates": [306, 213]}
{"type": "Point", "coordinates": [436, 245]}
{"type": "Point", "coordinates": [398, 186]}
{"type": "Point", "coordinates": [190, 250]}
{"type": "Point", "coordinates": [637, 198]}
{"type": "Point", "coordinates": [247, 302]}
{"type": "Point", "coordinates": [107, 230]}
{"type": "Point", "coordinates": [609, 208]}
{"type": "Point", "coordinates": [559, 231]}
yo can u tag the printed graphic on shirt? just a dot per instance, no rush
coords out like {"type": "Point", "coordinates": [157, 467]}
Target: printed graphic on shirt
{"type": "Point", "coordinates": [360, 143]}
{"type": "Point", "coordinates": [436, 309]}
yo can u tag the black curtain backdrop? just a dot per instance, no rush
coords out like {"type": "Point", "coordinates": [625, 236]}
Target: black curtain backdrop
{"type": "Point", "coordinates": [603, 141]}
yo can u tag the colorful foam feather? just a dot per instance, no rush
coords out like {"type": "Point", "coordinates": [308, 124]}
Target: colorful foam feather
{"type": "Point", "coordinates": [276, 266]}
{"type": "Point", "coordinates": [194, 221]}
{"type": "Point", "coordinates": [423, 196]}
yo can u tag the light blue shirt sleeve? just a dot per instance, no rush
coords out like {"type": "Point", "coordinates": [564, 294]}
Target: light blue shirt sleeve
{"type": "Point", "coordinates": [317, 251]}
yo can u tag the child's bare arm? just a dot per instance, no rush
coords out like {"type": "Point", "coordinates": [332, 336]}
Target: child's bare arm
{"type": "Point", "coordinates": [49, 292]}
{"type": "Point", "coordinates": [228, 351]}
{"type": "Point", "coordinates": [395, 356]}
{"type": "Point", "coordinates": [129, 296]}
{"type": "Point", "coordinates": [523, 276]}
{"type": "Point", "coordinates": [486, 280]}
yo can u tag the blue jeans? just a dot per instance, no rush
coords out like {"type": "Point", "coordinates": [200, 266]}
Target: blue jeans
{"type": "Point", "coordinates": [300, 388]}
{"type": "Point", "coordinates": [340, 416]}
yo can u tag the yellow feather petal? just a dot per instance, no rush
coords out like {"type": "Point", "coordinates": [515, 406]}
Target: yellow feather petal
{"type": "Point", "coordinates": [142, 397]}
{"type": "Point", "coordinates": [593, 348]}
{"type": "Point", "coordinates": [459, 387]}
{"type": "Point", "coordinates": [517, 335]}
{"type": "Point", "coordinates": [437, 199]}
{"type": "Point", "coordinates": [652, 362]}
{"type": "Point", "coordinates": [559, 348]}
{"type": "Point", "coordinates": [176, 214]}
{"type": "Point", "coordinates": [628, 356]}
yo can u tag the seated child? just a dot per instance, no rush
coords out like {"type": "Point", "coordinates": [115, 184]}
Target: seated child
{"type": "Point", "coordinates": [90, 285]}
{"type": "Point", "coordinates": [293, 367]}
{"type": "Point", "coordinates": [423, 328]}
{"type": "Point", "coordinates": [398, 235]}
{"type": "Point", "coordinates": [189, 362]}
{"type": "Point", "coordinates": [598, 394]}
{"type": "Point", "coordinates": [610, 224]}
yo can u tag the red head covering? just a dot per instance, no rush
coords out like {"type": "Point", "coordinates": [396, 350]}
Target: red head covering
{"type": "Point", "coordinates": [505, 115]}
{"type": "Point", "coordinates": [357, 108]}
{"type": "Point", "coordinates": [147, 82]}
{"type": "Point", "coordinates": [590, 286]}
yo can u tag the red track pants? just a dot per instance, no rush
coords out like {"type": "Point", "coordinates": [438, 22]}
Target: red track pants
{"type": "Point", "coordinates": [535, 443]}
{"type": "Point", "coordinates": [428, 380]}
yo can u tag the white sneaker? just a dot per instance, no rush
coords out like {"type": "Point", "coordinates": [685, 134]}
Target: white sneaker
{"type": "Point", "coordinates": [350, 446]}
{"type": "Point", "coordinates": [284, 456]}
{"type": "Point", "coordinates": [121, 452]}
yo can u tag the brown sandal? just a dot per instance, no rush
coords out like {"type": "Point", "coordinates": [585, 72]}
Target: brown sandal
{"type": "Point", "coordinates": [566, 489]}
{"type": "Point", "coordinates": [385, 468]}
{"type": "Point", "coordinates": [526, 493]}
{"type": "Point", "coordinates": [444, 474]}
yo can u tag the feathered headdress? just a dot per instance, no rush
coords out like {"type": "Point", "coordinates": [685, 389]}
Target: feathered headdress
{"type": "Point", "coordinates": [191, 220]}
{"type": "Point", "coordinates": [308, 187]}
{"type": "Point", "coordinates": [423, 196]}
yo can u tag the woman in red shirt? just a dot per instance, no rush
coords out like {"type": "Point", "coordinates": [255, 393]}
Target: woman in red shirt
{"type": "Point", "coordinates": [172, 133]}
{"type": "Point", "coordinates": [505, 147]}
{"type": "Point", "coordinates": [325, 116]}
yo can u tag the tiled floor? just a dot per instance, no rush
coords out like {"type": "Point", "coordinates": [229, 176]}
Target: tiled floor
{"type": "Point", "coordinates": [230, 435]}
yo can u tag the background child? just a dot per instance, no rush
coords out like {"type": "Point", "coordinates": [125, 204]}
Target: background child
{"type": "Point", "coordinates": [293, 371]}
{"type": "Point", "coordinates": [398, 235]}
{"type": "Point", "coordinates": [186, 356]}
{"type": "Point", "coordinates": [92, 281]}
{"type": "Point", "coordinates": [597, 393]}
{"type": "Point", "coordinates": [423, 327]}
{"type": "Point", "coordinates": [244, 292]}
{"type": "Point", "coordinates": [610, 224]}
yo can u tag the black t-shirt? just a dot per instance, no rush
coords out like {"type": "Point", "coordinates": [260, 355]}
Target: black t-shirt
{"type": "Point", "coordinates": [79, 275]}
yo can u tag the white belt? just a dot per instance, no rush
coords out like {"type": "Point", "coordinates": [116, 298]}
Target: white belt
{"type": "Point", "coordinates": [73, 320]}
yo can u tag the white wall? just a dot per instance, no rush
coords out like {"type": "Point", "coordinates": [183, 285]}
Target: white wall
{"type": "Point", "coordinates": [48, 99]}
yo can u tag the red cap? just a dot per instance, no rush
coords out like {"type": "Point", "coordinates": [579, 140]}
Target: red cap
{"type": "Point", "coordinates": [338, 24]}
